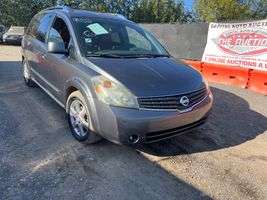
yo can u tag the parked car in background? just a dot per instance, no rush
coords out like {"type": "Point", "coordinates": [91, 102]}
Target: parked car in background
{"type": "Point", "coordinates": [114, 79]}
{"type": "Point", "coordinates": [2, 32]}
{"type": "Point", "coordinates": [14, 35]}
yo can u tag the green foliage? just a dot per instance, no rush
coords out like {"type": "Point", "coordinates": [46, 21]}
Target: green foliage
{"type": "Point", "coordinates": [161, 11]}
{"type": "Point", "coordinates": [222, 10]}
{"type": "Point", "coordinates": [260, 10]}
{"type": "Point", "coordinates": [20, 12]}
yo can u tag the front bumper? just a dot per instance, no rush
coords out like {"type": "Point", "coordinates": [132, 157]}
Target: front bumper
{"type": "Point", "coordinates": [120, 125]}
{"type": "Point", "coordinates": [13, 40]}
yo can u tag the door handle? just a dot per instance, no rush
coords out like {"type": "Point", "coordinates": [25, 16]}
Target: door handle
{"type": "Point", "coordinates": [41, 55]}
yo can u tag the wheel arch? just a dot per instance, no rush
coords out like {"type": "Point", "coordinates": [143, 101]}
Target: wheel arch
{"type": "Point", "coordinates": [76, 84]}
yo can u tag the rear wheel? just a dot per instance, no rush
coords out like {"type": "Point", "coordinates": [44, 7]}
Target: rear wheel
{"type": "Point", "coordinates": [27, 74]}
{"type": "Point", "coordinates": [79, 119]}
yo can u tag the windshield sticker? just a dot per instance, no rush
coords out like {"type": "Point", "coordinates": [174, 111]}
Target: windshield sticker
{"type": "Point", "coordinates": [97, 29]}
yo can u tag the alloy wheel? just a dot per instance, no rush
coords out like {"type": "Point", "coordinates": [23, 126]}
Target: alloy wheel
{"type": "Point", "coordinates": [79, 118]}
{"type": "Point", "coordinates": [26, 71]}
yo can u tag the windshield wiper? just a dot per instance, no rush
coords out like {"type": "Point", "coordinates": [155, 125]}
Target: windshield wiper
{"type": "Point", "coordinates": [128, 55]}
{"type": "Point", "coordinates": [146, 55]}
{"type": "Point", "coordinates": [105, 55]}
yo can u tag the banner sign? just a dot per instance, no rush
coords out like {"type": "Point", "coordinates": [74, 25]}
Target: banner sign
{"type": "Point", "coordinates": [237, 44]}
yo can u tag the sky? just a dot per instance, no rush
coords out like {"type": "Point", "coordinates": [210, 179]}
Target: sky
{"type": "Point", "coordinates": [188, 4]}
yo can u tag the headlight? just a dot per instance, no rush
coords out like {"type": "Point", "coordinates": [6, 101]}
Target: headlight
{"type": "Point", "coordinates": [112, 93]}
{"type": "Point", "coordinates": [4, 36]}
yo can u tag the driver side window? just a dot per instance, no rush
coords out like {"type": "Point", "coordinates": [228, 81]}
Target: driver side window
{"type": "Point", "coordinates": [59, 32]}
{"type": "Point", "coordinates": [54, 36]}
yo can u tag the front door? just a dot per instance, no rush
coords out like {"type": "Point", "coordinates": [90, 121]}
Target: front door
{"type": "Point", "coordinates": [56, 65]}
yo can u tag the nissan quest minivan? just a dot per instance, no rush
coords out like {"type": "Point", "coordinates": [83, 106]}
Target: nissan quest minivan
{"type": "Point", "coordinates": [113, 78]}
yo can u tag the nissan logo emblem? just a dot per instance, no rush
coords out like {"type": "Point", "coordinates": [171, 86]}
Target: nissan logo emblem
{"type": "Point", "coordinates": [184, 101]}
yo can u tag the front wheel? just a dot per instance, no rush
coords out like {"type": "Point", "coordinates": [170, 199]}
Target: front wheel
{"type": "Point", "coordinates": [79, 119]}
{"type": "Point", "coordinates": [27, 74]}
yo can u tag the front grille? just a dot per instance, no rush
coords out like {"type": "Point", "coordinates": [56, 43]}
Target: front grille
{"type": "Point", "coordinates": [172, 102]}
{"type": "Point", "coordinates": [160, 135]}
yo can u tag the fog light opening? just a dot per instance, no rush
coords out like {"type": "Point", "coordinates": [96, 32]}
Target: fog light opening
{"type": "Point", "coordinates": [133, 139]}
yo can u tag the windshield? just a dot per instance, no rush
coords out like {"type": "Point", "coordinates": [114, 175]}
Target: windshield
{"type": "Point", "coordinates": [111, 37]}
{"type": "Point", "coordinates": [17, 30]}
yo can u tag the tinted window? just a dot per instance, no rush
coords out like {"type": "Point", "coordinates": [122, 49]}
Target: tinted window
{"type": "Point", "coordinates": [30, 27]}
{"type": "Point", "coordinates": [59, 32]}
{"type": "Point", "coordinates": [43, 27]}
{"type": "Point", "coordinates": [34, 25]}
{"type": "Point", "coordinates": [54, 36]}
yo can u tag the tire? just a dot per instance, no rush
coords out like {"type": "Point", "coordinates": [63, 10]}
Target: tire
{"type": "Point", "coordinates": [27, 74]}
{"type": "Point", "coordinates": [79, 119]}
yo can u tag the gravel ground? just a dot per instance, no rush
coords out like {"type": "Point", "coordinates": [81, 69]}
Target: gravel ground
{"type": "Point", "coordinates": [224, 159]}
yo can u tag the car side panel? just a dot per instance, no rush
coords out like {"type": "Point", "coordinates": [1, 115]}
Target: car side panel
{"type": "Point", "coordinates": [83, 84]}
{"type": "Point", "coordinates": [60, 68]}
{"type": "Point", "coordinates": [32, 54]}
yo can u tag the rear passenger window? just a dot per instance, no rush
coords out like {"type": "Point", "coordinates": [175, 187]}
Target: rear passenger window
{"type": "Point", "coordinates": [29, 29]}
{"type": "Point", "coordinates": [43, 27]}
{"type": "Point", "coordinates": [34, 25]}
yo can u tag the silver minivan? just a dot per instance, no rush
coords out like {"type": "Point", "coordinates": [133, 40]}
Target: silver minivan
{"type": "Point", "coordinates": [112, 77]}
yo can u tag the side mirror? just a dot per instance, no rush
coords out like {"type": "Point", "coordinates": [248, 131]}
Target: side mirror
{"type": "Point", "coordinates": [57, 47]}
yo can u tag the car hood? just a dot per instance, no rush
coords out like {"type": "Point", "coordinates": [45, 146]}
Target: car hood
{"type": "Point", "coordinates": [151, 76]}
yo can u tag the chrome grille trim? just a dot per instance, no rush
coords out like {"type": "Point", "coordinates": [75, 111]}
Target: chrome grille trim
{"type": "Point", "coordinates": [172, 102]}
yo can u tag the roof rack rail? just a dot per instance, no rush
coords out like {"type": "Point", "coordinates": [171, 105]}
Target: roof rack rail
{"type": "Point", "coordinates": [118, 15]}
{"type": "Point", "coordinates": [64, 8]}
{"type": "Point", "coordinates": [121, 16]}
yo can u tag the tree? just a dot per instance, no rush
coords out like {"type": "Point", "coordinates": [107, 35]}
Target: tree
{"type": "Point", "coordinates": [222, 10]}
{"type": "Point", "coordinates": [160, 11]}
{"type": "Point", "coordinates": [260, 10]}
{"type": "Point", "coordinates": [19, 13]}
